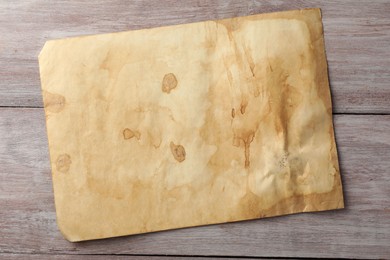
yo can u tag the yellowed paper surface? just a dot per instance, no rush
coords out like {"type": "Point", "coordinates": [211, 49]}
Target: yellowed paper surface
{"type": "Point", "coordinates": [189, 125]}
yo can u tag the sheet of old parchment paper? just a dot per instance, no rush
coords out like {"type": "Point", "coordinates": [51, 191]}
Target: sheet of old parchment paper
{"type": "Point", "coordinates": [189, 125]}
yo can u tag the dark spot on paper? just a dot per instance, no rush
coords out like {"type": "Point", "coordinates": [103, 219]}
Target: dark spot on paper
{"type": "Point", "coordinates": [128, 134]}
{"type": "Point", "coordinates": [63, 163]}
{"type": "Point", "coordinates": [178, 152]}
{"type": "Point", "coordinates": [233, 113]}
{"type": "Point", "coordinates": [169, 82]}
{"type": "Point", "coordinates": [243, 106]}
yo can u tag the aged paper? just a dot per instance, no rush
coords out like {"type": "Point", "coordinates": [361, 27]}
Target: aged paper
{"type": "Point", "coordinates": [189, 125]}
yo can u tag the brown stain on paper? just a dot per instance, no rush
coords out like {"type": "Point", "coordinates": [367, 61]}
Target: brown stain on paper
{"type": "Point", "coordinates": [53, 102]}
{"type": "Point", "coordinates": [169, 82]}
{"type": "Point", "coordinates": [178, 152]}
{"type": "Point", "coordinates": [128, 134]}
{"type": "Point", "coordinates": [244, 91]}
{"type": "Point", "coordinates": [63, 163]}
{"type": "Point", "coordinates": [233, 113]}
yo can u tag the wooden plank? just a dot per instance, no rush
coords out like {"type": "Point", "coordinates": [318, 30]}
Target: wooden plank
{"type": "Point", "coordinates": [362, 230]}
{"type": "Point", "coordinates": [104, 257]}
{"type": "Point", "coordinates": [77, 257]}
{"type": "Point", "coordinates": [357, 34]}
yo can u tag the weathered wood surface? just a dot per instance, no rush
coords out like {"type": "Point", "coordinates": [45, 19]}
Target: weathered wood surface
{"type": "Point", "coordinates": [362, 230]}
{"type": "Point", "coordinates": [357, 36]}
{"type": "Point", "coordinates": [103, 257]}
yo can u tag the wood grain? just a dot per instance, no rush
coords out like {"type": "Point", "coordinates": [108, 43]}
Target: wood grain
{"type": "Point", "coordinates": [357, 35]}
{"type": "Point", "coordinates": [362, 230]}
{"type": "Point", "coordinates": [104, 257]}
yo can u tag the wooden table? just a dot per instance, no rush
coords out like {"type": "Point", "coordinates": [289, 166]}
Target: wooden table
{"type": "Point", "coordinates": [357, 36]}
